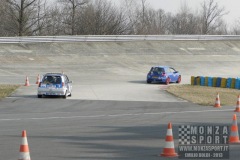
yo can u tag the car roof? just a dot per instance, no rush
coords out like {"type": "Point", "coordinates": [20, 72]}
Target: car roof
{"type": "Point", "coordinates": [54, 74]}
{"type": "Point", "coordinates": [161, 66]}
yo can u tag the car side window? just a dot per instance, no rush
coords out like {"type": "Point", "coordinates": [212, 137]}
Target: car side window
{"type": "Point", "coordinates": [172, 70]}
{"type": "Point", "coordinates": [66, 79]}
{"type": "Point", "coordinates": [167, 70]}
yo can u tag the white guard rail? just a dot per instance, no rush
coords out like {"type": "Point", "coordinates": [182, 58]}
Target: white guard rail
{"type": "Point", "coordinates": [107, 38]}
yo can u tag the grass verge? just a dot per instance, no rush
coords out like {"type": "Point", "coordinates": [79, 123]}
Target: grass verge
{"type": "Point", "coordinates": [205, 95]}
{"type": "Point", "coordinates": [7, 89]}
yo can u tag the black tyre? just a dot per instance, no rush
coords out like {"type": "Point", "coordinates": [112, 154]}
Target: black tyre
{"type": "Point", "coordinates": [65, 96]}
{"type": "Point", "coordinates": [39, 96]}
{"type": "Point", "coordinates": [179, 79]}
{"type": "Point", "coordinates": [149, 81]}
{"type": "Point", "coordinates": [167, 81]}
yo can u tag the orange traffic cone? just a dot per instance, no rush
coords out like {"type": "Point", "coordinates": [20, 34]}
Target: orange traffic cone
{"type": "Point", "coordinates": [38, 79]}
{"type": "Point", "coordinates": [238, 105]}
{"type": "Point", "coordinates": [169, 150]}
{"type": "Point", "coordinates": [27, 82]}
{"type": "Point", "coordinates": [217, 102]}
{"type": "Point", "coordinates": [234, 137]}
{"type": "Point", "coordinates": [24, 149]}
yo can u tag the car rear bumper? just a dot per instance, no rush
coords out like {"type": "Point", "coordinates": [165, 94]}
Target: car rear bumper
{"type": "Point", "coordinates": [161, 79]}
{"type": "Point", "coordinates": [53, 92]}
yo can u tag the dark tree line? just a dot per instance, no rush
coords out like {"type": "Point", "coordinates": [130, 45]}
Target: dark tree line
{"type": "Point", "coordinates": [102, 17]}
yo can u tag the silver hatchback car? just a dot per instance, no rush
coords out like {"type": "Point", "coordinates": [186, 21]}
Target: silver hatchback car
{"type": "Point", "coordinates": [55, 84]}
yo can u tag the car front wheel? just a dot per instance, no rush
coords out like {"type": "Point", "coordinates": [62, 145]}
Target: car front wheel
{"type": "Point", "coordinates": [179, 79]}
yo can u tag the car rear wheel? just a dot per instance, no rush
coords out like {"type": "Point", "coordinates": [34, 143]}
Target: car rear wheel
{"type": "Point", "coordinates": [149, 81]}
{"type": "Point", "coordinates": [167, 81]}
{"type": "Point", "coordinates": [65, 96]}
{"type": "Point", "coordinates": [39, 96]}
{"type": "Point", "coordinates": [179, 79]}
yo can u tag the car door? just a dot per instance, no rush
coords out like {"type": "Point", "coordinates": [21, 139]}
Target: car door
{"type": "Point", "coordinates": [68, 84]}
{"type": "Point", "coordinates": [174, 74]}
{"type": "Point", "coordinates": [169, 73]}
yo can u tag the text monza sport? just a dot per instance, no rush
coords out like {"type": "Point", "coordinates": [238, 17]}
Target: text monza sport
{"type": "Point", "coordinates": [209, 134]}
{"type": "Point", "coordinates": [204, 142]}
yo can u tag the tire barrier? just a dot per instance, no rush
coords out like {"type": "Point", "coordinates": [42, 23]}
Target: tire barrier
{"type": "Point", "coordinates": [210, 81]}
{"type": "Point", "coordinates": [202, 81]}
{"type": "Point", "coordinates": [233, 83]}
{"type": "Point", "coordinates": [237, 83]}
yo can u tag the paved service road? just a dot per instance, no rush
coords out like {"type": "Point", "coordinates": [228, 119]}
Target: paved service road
{"type": "Point", "coordinates": [98, 129]}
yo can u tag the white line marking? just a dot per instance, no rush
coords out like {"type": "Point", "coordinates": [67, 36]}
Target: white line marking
{"type": "Point", "coordinates": [20, 51]}
{"type": "Point", "coordinates": [121, 115]}
{"type": "Point", "coordinates": [197, 49]}
{"type": "Point", "coordinates": [46, 118]}
{"type": "Point", "coordinates": [236, 49]}
{"type": "Point", "coordinates": [112, 115]}
{"type": "Point", "coordinates": [10, 119]}
{"type": "Point", "coordinates": [188, 112]}
{"type": "Point", "coordinates": [9, 72]}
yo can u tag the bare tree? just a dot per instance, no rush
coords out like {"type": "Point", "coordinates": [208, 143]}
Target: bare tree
{"type": "Point", "coordinates": [41, 17]}
{"type": "Point", "coordinates": [211, 16]}
{"type": "Point", "coordinates": [222, 29]}
{"type": "Point", "coordinates": [155, 22]}
{"type": "Point", "coordinates": [141, 25]}
{"type": "Point", "coordinates": [101, 18]}
{"type": "Point", "coordinates": [161, 22]}
{"type": "Point", "coordinates": [129, 9]}
{"type": "Point", "coordinates": [3, 6]}
{"type": "Point", "coordinates": [184, 22]}
{"type": "Point", "coordinates": [23, 16]}
{"type": "Point", "coordinates": [54, 21]}
{"type": "Point", "coordinates": [236, 27]}
{"type": "Point", "coordinates": [72, 6]}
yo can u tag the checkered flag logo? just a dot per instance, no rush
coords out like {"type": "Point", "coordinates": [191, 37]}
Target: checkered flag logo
{"type": "Point", "coordinates": [184, 134]}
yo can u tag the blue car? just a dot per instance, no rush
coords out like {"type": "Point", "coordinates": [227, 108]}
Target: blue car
{"type": "Point", "coordinates": [163, 74]}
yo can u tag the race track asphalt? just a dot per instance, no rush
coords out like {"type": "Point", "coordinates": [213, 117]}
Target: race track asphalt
{"type": "Point", "coordinates": [113, 113]}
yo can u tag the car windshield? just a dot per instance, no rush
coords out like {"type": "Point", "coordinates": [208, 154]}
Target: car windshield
{"type": "Point", "coordinates": [52, 80]}
{"type": "Point", "coordinates": [157, 70]}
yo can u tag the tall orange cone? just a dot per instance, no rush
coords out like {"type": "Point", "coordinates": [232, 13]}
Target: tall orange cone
{"type": "Point", "coordinates": [238, 105]}
{"type": "Point", "coordinates": [38, 79]}
{"type": "Point", "coordinates": [169, 150]}
{"type": "Point", "coordinates": [217, 102]}
{"type": "Point", "coordinates": [234, 137]}
{"type": "Point", "coordinates": [27, 82]}
{"type": "Point", "coordinates": [24, 149]}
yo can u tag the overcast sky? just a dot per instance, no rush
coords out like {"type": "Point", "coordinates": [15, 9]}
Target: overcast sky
{"type": "Point", "coordinates": [232, 6]}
